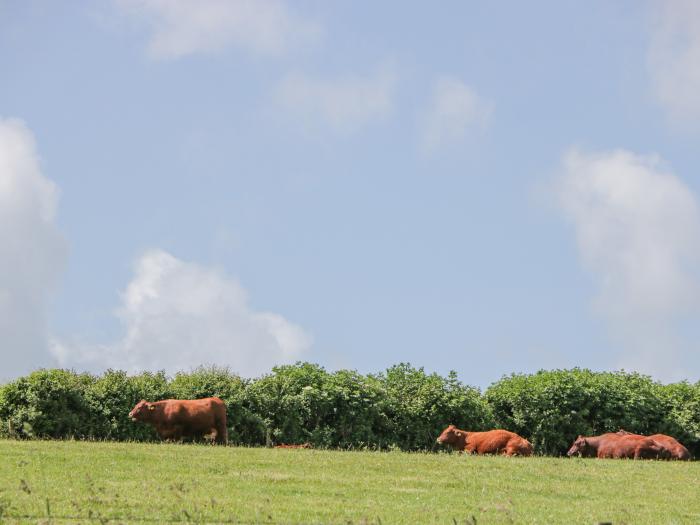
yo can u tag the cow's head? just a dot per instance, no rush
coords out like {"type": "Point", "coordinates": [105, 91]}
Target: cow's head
{"type": "Point", "coordinates": [580, 446]}
{"type": "Point", "coordinates": [142, 411]}
{"type": "Point", "coordinates": [453, 437]}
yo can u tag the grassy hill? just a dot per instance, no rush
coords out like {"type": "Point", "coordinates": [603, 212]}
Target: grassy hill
{"type": "Point", "coordinates": [72, 482]}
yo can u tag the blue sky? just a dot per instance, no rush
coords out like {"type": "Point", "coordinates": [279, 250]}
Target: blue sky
{"type": "Point", "coordinates": [486, 187]}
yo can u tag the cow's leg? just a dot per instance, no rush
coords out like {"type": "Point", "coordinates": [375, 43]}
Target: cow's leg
{"type": "Point", "coordinates": [178, 433]}
{"type": "Point", "coordinates": [222, 434]}
{"type": "Point", "coordinates": [164, 432]}
{"type": "Point", "coordinates": [638, 453]}
{"type": "Point", "coordinates": [221, 430]}
{"type": "Point", "coordinates": [212, 436]}
{"type": "Point", "coordinates": [170, 433]}
{"type": "Point", "coordinates": [220, 437]}
{"type": "Point", "coordinates": [641, 453]}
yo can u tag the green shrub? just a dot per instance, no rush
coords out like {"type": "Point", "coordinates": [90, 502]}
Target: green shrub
{"type": "Point", "coordinates": [46, 403]}
{"type": "Point", "coordinates": [403, 407]}
{"type": "Point", "coordinates": [289, 404]}
{"type": "Point", "coordinates": [551, 408]}
{"type": "Point", "coordinates": [111, 398]}
{"type": "Point", "coordinates": [681, 403]}
{"type": "Point", "coordinates": [354, 413]}
{"type": "Point", "coordinates": [419, 406]}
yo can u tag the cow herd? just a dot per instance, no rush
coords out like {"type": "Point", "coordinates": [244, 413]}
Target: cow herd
{"type": "Point", "coordinates": [615, 445]}
{"type": "Point", "coordinates": [625, 444]}
{"type": "Point", "coordinates": [176, 419]}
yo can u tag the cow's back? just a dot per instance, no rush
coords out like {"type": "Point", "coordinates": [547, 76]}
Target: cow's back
{"type": "Point", "coordinates": [628, 446]}
{"type": "Point", "coordinates": [675, 449]}
{"type": "Point", "coordinates": [615, 446]}
{"type": "Point", "coordinates": [188, 409]}
{"type": "Point", "coordinates": [195, 416]}
{"type": "Point", "coordinates": [491, 441]}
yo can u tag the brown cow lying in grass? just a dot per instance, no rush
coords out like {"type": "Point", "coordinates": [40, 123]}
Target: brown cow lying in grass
{"type": "Point", "coordinates": [616, 446]}
{"type": "Point", "coordinates": [175, 419]}
{"type": "Point", "coordinates": [674, 449]}
{"type": "Point", "coordinates": [490, 442]}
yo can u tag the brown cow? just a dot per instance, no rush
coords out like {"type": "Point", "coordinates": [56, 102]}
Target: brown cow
{"type": "Point", "coordinates": [674, 449]}
{"type": "Point", "coordinates": [612, 445]}
{"type": "Point", "coordinates": [175, 419]}
{"type": "Point", "coordinates": [490, 442]}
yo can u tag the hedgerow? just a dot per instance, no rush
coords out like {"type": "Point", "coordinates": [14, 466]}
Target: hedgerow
{"type": "Point", "coordinates": [551, 408]}
{"type": "Point", "coordinates": [403, 407]}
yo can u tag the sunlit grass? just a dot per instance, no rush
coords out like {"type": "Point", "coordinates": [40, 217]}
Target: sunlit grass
{"type": "Point", "coordinates": [132, 482]}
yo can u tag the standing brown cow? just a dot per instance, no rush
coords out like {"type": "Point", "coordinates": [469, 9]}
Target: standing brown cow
{"type": "Point", "coordinates": [490, 442]}
{"type": "Point", "coordinates": [616, 446]}
{"type": "Point", "coordinates": [184, 418]}
{"type": "Point", "coordinates": [674, 449]}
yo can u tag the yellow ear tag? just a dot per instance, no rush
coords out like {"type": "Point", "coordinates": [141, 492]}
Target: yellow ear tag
{"type": "Point", "coordinates": [151, 407]}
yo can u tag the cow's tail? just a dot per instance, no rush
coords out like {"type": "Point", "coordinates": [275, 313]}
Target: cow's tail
{"type": "Point", "coordinates": [221, 429]}
{"type": "Point", "coordinates": [224, 433]}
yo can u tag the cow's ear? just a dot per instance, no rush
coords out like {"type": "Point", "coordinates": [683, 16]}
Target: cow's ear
{"type": "Point", "coordinates": [151, 407]}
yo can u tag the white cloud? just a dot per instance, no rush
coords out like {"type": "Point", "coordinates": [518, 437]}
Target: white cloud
{"type": "Point", "coordinates": [638, 232]}
{"type": "Point", "coordinates": [178, 315]}
{"type": "Point", "coordinates": [183, 27]}
{"type": "Point", "coordinates": [455, 109]}
{"type": "Point", "coordinates": [32, 252]}
{"type": "Point", "coordinates": [674, 57]}
{"type": "Point", "coordinates": [344, 104]}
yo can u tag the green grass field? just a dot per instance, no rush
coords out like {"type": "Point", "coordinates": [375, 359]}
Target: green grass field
{"type": "Point", "coordinates": [74, 482]}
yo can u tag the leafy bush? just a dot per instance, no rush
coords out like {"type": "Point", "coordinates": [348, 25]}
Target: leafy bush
{"type": "Point", "coordinates": [46, 403]}
{"type": "Point", "coordinates": [419, 406]}
{"type": "Point", "coordinates": [354, 414]}
{"type": "Point", "coordinates": [113, 395]}
{"type": "Point", "coordinates": [551, 408]}
{"type": "Point", "coordinates": [681, 403]}
{"type": "Point", "coordinates": [403, 407]}
{"type": "Point", "coordinates": [290, 404]}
